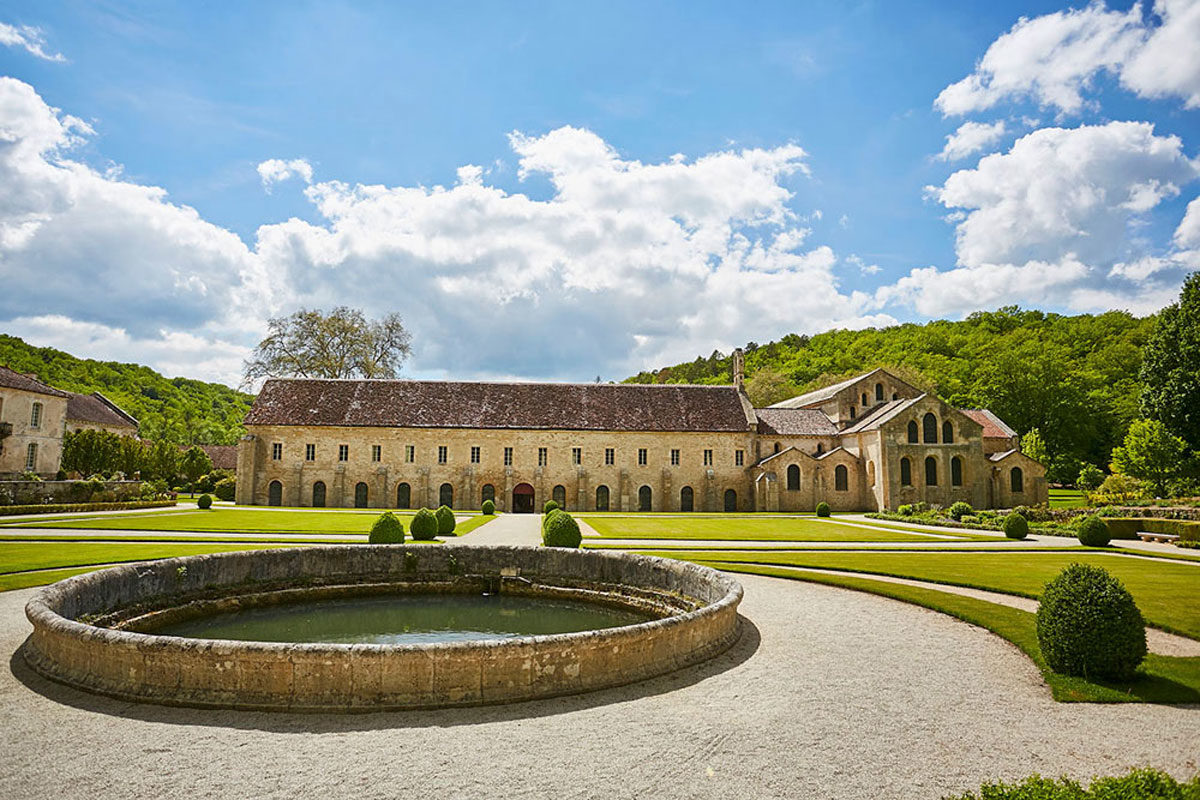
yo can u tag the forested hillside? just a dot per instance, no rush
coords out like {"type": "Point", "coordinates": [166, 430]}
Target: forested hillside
{"type": "Point", "coordinates": [179, 410]}
{"type": "Point", "coordinates": [1073, 378]}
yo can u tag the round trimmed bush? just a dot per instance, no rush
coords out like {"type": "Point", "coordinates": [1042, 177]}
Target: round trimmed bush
{"type": "Point", "coordinates": [959, 509]}
{"type": "Point", "coordinates": [387, 529]}
{"type": "Point", "coordinates": [561, 530]}
{"type": "Point", "coordinates": [1093, 532]}
{"type": "Point", "coordinates": [549, 506]}
{"type": "Point", "coordinates": [204, 501]}
{"type": "Point", "coordinates": [1015, 526]}
{"type": "Point", "coordinates": [548, 515]}
{"type": "Point", "coordinates": [424, 526]}
{"type": "Point", "coordinates": [905, 510]}
{"type": "Point", "coordinates": [489, 508]}
{"type": "Point", "coordinates": [1088, 624]}
{"type": "Point", "coordinates": [822, 509]}
{"type": "Point", "coordinates": [445, 521]}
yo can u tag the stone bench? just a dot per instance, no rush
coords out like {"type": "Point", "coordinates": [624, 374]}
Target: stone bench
{"type": "Point", "coordinates": [1165, 538]}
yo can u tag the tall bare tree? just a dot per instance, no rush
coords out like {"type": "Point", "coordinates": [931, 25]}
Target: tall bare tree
{"type": "Point", "coordinates": [340, 344]}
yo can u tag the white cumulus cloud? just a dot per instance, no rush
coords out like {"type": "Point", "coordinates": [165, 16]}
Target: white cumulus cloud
{"type": "Point", "coordinates": [274, 170]}
{"type": "Point", "coordinates": [971, 137]}
{"type": "Point", "coordinates": [31, 39]}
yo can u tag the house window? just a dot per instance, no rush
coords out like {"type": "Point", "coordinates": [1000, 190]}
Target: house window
{"type": "Point", "coordinates": [929, 423]}
{"type": "Point", "coordinates": [343, 452]}
{"type": "Point", "coordinates": [446, 495]}
{"type": "Point", "coordinates": [674, 458]}
{"type": "Point", "coordinates": [708, 458]}
{"type": "Point", "coordinates": [602, 498]}
{"type": "Point", "coordinates": [488, 492]}
{"type": "Point", "coordinates": [841, 479]}
{"type": "Point", "coordinates": [956, 471]}
{"type": "Point", "coordinates": [474, 455]}
{"type": "Point", "coordinates": [905, 472]}
{"type": "Point", "coordinates": [793, 478]}
{"type": "Point", "coordinates": [1016, 477]}
{"type": "Point", "coordinates": [864, 402]}
{"type": "Point", "coordinates": [851, 412]}
{"type": "Point", "coordinates": [376, 452]}
{"type": "Point", "coordinates": [879, 393]}
{"type": "Point", "coordinates": [931, 471]}
{"type": "Point", "coordinates": [576, 455]}
{"type": "Point", "coordinates": [645, 499]}
{"type": "Point", "coordinates": [641, 456]}
{"type": "Point", "coordinates": [35, 416]}
{"type": "Point", "coordinates": [508, 456]}
{"type": "Point", "coordinates": [947, 432]}
{"type": "Point", "coordinates": [277, 451]}
{"type": "Point", "coordinates": [542, 457]}
{"type": "Point", "coordinates": [443, 454]}
{"type": "Point", "coordinates": [739, 458]}
{"type": "Point", "coordinates": [31, 458]}
{"type": "Point", "coordinates": [410, 453]}
{"type": "Point", "coordinates": [310, 452]}
{"type": "Point", "coordinates": [559, 495]}
{"type": "Point", "coordinates": [610, 456]}
{"type": "Point", "coordinates": [820, 448]}
{"type": "Point", "coordinates": [912, 431]}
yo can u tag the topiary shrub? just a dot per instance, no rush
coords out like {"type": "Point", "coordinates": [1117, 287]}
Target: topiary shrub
{"type": "Point", "coordinates": [445, 521]}
{"type": "Point", "coordinates": [1015, 526]}
{"type": "Point", "coordinates": [225, 489]}
{"type": "Point", "coordinates": [424, 526]}
{"type": "Point", "coordinates": [547, 516]}
{"type": "Point", "coordinates": [822, 509]}
{"type": "Point", "coordinates": [549, 506]}
{"type": "Point", "coordinates": [561, 530]}
{"type": "Point", "coordinates": [204, 501]}
{"type": "Point", "coordinates": [489, 508]}
{"type": "Point", "coordinates": [1092, 531]}
{"type": "Point", "coordinates": [1088, 625]}
{"type": "Point", "coordinates": [905, 510]}
{"type": "Point", "coordinates": [387, 529]}
{"type": "Point", "coordinates": [959, 510]}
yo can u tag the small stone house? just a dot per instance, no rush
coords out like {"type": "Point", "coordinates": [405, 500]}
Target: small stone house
{"type": "Point", "coordinates": [33, 417]}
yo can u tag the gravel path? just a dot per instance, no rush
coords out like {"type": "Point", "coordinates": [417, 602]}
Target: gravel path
{"type": "Point", "coordinates": [829, 694]}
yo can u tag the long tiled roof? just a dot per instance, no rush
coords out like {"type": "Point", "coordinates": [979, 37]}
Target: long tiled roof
{"type": "Point", "coordinates": [97, 409]}
{"type": "Point", "coordinates": [993, 426]}
{"type": "Point", "coordinates": [794, 422]}
{"type": "Point", "coordinates": [222, 456]}
{"type": "Point", "coordinates": [449, 404]}
{"type": "Point", "coordinates": [821, 395]}
{"type": "Point", "coordinates": [12, 379]}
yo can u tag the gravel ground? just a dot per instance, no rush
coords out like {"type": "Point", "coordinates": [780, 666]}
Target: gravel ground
{"type": "Point", "coordinates": [829, 694]}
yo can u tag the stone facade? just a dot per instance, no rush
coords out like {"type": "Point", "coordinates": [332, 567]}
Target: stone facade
{"type": "Point", "coordinates": [32, 422]}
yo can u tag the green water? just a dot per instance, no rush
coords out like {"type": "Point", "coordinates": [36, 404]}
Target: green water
{"type": "Point", "coordinates": [405, 619]}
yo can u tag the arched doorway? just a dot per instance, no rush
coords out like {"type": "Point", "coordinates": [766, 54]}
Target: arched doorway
{"type": "Point", "coordinates": [360, 495]}
{"type": "Point", "coordinates": [687, 499]}
{"type": "Point", "coordinates": [522, 499]}
{"type": "Point", "coordinates": [488, 492]}
{"type": "Point", "coordinates": [446, 495]}
{"type": "Point", "coordinates": [275, 494]}
{"type": "Point", "coordinates": [645, 498]}
{"type": "Point", "coordinates": [602, 498]}
{"type": "Point", "coordinates": [403, 496]}
{"type": "Point", "coordinates": [730, 500]}
{"type": "Point", "coordinates": [319, 494]}
{"type": "Point", "coordinates": [559, 495]}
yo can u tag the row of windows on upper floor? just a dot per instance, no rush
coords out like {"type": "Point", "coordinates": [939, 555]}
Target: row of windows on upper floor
{"type": "Point", "coordinates": [880, 397]}
{"type": "Point", "coordinates": [675, 456]}
{"type": "Point", "coordinates": [1016, 477]}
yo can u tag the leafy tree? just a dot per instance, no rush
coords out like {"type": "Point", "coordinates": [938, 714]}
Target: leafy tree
{"type": "Point", "coordinates": [89, 451]}
{"type": "Point", "coordinates": [162, 461]}
{"type": "Point", "coordinates": [1151, 454]}
{"type": "Point", "coordinates": [1090, 478]}
{"type": "Point", "coordinates": [768, 386]}
{"type": "Point", "coordinates": [131, 457]}
{"type": "Point", "coordinates": [340, 344]}
{"type": "Point", "coordinates": [1171, 366]}
{"type": "Point", "coordinates": [195, 463]}
{"type": "Point", "coordinates": [1034, 446]}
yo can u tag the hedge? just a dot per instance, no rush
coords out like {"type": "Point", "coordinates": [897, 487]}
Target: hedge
{"type": "Point", "coordinates": [1146, 782]}
{"type": "Point", "coordinates": [64, 508]}
{"type": "Point", "coordinates": [1127, 528]}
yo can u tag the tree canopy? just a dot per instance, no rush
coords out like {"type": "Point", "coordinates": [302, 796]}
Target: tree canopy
{"type": "Point", "coordinates": [1171, 366]}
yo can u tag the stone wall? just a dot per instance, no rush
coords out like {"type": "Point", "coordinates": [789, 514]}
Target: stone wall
{"type": "Point", "coordinates": [16, 410]}
{"type": "Point", "coordinates": [330, 677]}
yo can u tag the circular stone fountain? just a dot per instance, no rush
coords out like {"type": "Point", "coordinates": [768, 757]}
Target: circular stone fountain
{"type": "Point", "coordinates": [103, 632]}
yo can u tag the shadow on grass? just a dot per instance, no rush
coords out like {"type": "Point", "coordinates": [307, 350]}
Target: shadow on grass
{"type": "Point", "coordinates": [746, 645]}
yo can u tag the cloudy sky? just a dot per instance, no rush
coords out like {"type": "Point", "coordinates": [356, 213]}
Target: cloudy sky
{"type": "Point", "coordinates": [566, 190]}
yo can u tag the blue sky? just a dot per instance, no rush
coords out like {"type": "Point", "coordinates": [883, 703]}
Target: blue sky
{"type": "Point", "coordinates": [180, 175]}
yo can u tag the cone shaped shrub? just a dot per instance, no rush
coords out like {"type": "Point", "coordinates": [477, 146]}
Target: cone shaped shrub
{"type": "Point", "coordinates": [489, 508]}
{"type": "Point", "coordinates": [1093, 532]}
{"type": "Point", "coordinates": [1016, 526]}
{"type": "Point", "coordinates": [549, 515]}
{"type": "Point", "coordinates": [445, 521]}
{"type": "Point", "coordinates": [387, 529]}
{"type": "Point", "coordinates": [822, 509]}
{"type": "Point", "coordinates": [424, 526]}
{"type": "Point", "coordinates": [561, 530]}
{"type": "Point", "coordinates": [204, 501]}
{"type": "Point", "coordinates": [1088, 625]}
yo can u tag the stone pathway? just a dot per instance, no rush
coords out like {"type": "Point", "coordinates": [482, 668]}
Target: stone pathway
{"type": "Point", "coordinates": [508, 529]}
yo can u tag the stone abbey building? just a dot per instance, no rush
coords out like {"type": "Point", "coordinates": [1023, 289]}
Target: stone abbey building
{"type": "Point", "coordinates": [868, 443]}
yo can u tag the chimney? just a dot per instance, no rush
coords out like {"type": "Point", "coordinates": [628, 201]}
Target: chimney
{"type": "Point", "coordinates": [739, 369]}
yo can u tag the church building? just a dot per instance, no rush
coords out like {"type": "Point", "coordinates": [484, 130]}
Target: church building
{"type": "Point", "coordinates": [869, 443]}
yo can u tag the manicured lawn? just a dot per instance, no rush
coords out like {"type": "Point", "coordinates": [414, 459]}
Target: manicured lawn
{"type": "Point", "coordinates": [1066, 498]}
{"type": "Point", "coordinates": [747, 528]}
{"type": "Point", "coordinates": [1167, 592]}
{"type": "Point", "coordinates": [18, 556]}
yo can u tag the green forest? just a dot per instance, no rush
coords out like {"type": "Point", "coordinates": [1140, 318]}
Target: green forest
{"type": "Point", "coordinates": [177, 410]}
{"type": "Point", "coordinates": [1074, 378]}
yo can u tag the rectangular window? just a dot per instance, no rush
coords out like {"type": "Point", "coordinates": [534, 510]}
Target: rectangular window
{"type": "Point", "coordinates": [35, 416]}
{"type": "Point", "coordinates": [343, 452]}
{"type": "Point", "coordinates": [739, 458]}
{"type": "Point", "coordinates": [610, 456]}
{"type": "Point", "coordinates": [410, 453]}
{"type": "Point", "coordinates": [474, 455]}
{"type": "Point", "coordinates": [708, 458]}
{"type": "Point", "coordinates": [277, 451]}
{"type": "Point", "coordinates": [576, 455]}
{"type": "Point", "coordinates": [443, 454]}
{"type": "Point", "coordinates": [508, 456]}
{"type": "Point", "coordinates": [31, 458]}
{"type": "Point", "coordinates": [674, 458]}
{"type": "Point", "coordinates": [376, 452]}
{"type": "Point", "coordinates": [641, 456]}
{"type": "Point", "coordinates": [542, 457]}
{"type": "Point", "coordinates": [310, 452]}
